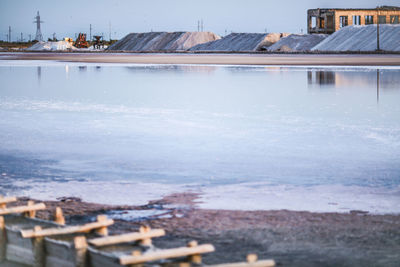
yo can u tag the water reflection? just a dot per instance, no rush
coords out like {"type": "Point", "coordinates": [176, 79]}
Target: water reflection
{"type": "Point", "coordinates": [386, 80]}
{"type": "Point", "coordinates": [39, 73]}
{"type": "Point", "coordinates": [321, 78]}
{"type": "Point", "coordinates": [175, 68]}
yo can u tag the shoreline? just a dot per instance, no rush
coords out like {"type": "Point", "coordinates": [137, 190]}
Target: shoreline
{"type": "Point", "coordinates": [291, 238]}
{"type": "Point", "coordinates": [213, 59]}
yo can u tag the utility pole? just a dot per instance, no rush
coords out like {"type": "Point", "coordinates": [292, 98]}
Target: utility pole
{"type": "Point", "coordinates": [202, 25]}
{"type": "Point", "coordinates": [39, 36]}
{"type": "Point", "coordinates": [109, 27]}
{"type": "Point", "coordinates": [9, 34]}
{"type": "Point", "coordinates": [30, 37]}
{"type": "Point", "coordinates": [90, 32]}
{"type": "Point", "coordinates": [22, 38]}
{"type": "Point", "coordinates": [198, 25]}
{"type": "Point", "coordinates": [377, 29]}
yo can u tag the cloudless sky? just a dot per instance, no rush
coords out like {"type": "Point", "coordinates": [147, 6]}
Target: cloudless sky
{"type": "Point", "coordinates": [65, 18]}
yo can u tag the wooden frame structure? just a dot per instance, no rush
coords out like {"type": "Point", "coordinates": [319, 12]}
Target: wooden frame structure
{"type": "Point", "coordinates": [40, 243]}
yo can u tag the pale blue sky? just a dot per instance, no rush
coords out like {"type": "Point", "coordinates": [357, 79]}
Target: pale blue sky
{"type": "Point", "coordinates": [65, 18]}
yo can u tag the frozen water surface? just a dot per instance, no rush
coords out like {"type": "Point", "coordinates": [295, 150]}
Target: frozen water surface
{"type": "Point", "coordinates": [303, 138]}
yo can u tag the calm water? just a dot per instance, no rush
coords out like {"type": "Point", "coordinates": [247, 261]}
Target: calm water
{"type": "Point", "coordinates": [197, 127]}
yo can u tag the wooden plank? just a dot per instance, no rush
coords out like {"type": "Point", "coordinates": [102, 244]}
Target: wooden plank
{"type": "Point", "coordinates": [125, 238]}
{"type": "Point", "coordinates": [66, 230]}
{"type": "Point", "coordinates": [20, 255]}
{"type": "Point", "coordinates": [166, 254]}
{"type": "Point", "coordinates": [52, 261]}
{"type": "Point", "coordinates": [14, 237]}
{"type": "Point", "coordinates": [5, 200]}
{"type": "Point", "coordinates": [21, 209]}
{"type": "Point", "coordinates": [61, 249]}
{"type": "Point", "coordinates": [99, 259]}
{"type": "Point", "coordinates": [261, 263]}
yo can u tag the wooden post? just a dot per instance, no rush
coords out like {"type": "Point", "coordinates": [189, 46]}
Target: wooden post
{"type": "Point", "coordinates": [145, 241]}
{"type": "Point", "coordinates": [136, 253]}
{"type": "Point", "coordinates": [251, 258]}
{"type": "Point", "coordinates": [2, 239]}
{"type": "Point", "coordinates": [2, 205]}
{"type": "Point", "coordinates": [196, 258]}
{"type": "Point", "coordinates": [102, 230]}
{"type": "Point", "coordinates": [38, 249]}
{"type": "Point", "coordinates": [31, 213]}
{"type": "Point", "coordinates": [80, 246]}
{"type": "Point", "coordinates": [58, 216]}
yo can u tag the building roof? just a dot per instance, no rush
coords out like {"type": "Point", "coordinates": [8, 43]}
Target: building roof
{"type": "Point", "coordinates": [386, 8]}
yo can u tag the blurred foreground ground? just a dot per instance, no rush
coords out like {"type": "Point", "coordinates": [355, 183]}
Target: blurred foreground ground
{"type": "Point", "coordinates": [292, 238]}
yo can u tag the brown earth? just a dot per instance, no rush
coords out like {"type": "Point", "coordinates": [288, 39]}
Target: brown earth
{"type": "Point", "coordinates": [292, 238]}
{"type": "Point", "coordinates": [225, 59]}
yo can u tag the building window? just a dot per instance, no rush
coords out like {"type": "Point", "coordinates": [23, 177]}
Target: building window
{"type": "Point", "coordinates": [313, 22]}
{"type": "Point", "coordinates": [394, 19]}
{"type": "Point", "coordinates": [382, 19]}
{"type": "Point", "coordinates": [369, 20]}
{"type": "Point", "coordinates": [343, 21]}
{"type": "Point", "coordinates": [356, 20]}
{"type": "Point", "coordinates": [322, 23]}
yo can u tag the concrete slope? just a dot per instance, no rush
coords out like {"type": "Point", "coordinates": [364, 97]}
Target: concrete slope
{"type": "Point", "coordinates": [162, 41]}
{"type": "Point", "coordinates": [297, 43]}
{"type": "Point", "coordinates": [240, 42]}
{"type": "Point", "coordinates": [362, 38]}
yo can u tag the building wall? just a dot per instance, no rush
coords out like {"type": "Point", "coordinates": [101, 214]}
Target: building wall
{"type": "Point", "coordinates": [363, 13]}
{"type": "Point", "coordinates": [323, 14]}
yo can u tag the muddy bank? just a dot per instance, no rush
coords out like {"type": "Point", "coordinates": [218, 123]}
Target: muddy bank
{"type": "Point", "coordinates": [292, 238]}
{"type": "Point", "coordinates": [215, 59]}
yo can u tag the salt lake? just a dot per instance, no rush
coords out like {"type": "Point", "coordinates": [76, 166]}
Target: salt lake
{"type": "Point", "coordinates": [246, 137]}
